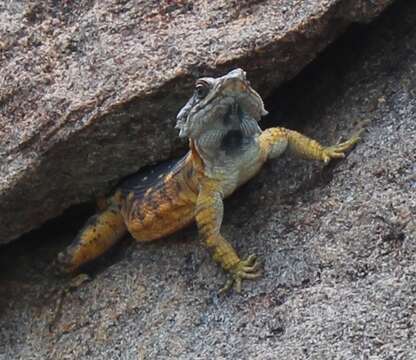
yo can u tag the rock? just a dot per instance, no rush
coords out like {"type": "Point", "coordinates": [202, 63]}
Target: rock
{"type": "Point", "coordinates": [338, 243]}
{"type": "Point", "coordinates": [89, 90]}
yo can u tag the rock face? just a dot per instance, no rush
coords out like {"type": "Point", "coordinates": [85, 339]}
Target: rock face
{"type": "Point", "coordinates": [89, 89]}
{"type": "Point", "coordinates": [338, 244]}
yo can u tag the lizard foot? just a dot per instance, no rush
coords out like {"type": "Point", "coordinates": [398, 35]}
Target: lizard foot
{"type": "Point", "coordinates": [244, 270]}
{"type": "Point", "coordinates": [338, 151]}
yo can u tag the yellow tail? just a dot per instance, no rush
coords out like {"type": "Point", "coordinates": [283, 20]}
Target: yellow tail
{"type": "Point", "coordinates": [98, 235]}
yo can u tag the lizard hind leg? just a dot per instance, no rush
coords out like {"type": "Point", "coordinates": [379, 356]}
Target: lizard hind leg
{"type": "Point", "coordinates": [97, 236]}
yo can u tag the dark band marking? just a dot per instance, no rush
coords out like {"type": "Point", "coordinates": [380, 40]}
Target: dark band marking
{"type": "Point", "coordinates": [232, 141]}
{"type": "Point", "coordinates": [150, 177]}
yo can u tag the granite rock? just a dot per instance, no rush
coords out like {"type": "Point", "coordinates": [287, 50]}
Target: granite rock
{"type": "Point", "coordinates": [89, 90]}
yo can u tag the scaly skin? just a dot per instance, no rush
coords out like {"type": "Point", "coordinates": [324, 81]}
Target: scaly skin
{"type": "Point", "coordinates": [227, 148]}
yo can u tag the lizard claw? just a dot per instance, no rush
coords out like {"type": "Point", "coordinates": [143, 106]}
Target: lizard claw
{"type": "Point", "coordinates": [247, 269]}
{"type": "Point", "coordinates": [338, 151]}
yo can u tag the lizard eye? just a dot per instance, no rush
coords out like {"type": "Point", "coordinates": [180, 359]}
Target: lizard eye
{"type": "Point", "coordinates": [201, 90]}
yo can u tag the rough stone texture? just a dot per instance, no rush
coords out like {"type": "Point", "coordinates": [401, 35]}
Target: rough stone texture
{"type": "Point", "coordinates": [89, 89]}
{"type": "Point", "coordinates": [339, 244]}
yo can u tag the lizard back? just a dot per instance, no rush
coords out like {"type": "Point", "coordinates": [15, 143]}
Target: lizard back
{"type": "Point", "coordinates": [158, 201]}
{"type": "Point", "coordinates": [149, 177]}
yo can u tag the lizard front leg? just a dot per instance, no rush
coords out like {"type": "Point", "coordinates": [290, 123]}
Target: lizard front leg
{"type": "Point", "coordinates": [209, 214]}
{"type": "Point", "coordinates": [275, 141]}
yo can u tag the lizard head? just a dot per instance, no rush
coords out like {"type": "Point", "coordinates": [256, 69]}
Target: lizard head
{"type": "Point", "coordinates": [224, 103]}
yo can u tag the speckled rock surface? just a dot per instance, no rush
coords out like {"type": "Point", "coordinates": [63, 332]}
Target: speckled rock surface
{"type": "Point", "coordinates": [89, 89]}
{"type": "Point", "coordinates": [338, 244]}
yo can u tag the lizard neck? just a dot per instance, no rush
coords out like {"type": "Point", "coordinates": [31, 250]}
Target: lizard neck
{"type": "Point", "coordinates": [228, 155]}
{"type": "Point", "coordinates": [226, 144]}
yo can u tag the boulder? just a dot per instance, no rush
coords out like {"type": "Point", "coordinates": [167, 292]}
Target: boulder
{"type": "Point", "coordinates": [338, 244]}
{"type": "Point", "coordinates": [89, 90]}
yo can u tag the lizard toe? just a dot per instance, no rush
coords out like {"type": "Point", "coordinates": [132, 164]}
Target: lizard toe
{"type": "Point", "coordinates": [247, 269]}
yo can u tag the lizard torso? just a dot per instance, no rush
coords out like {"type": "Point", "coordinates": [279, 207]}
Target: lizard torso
{"type": "Point", "coordinates": [227, 148]}
{"type": "Point", "coordinates": [159, 203]}
{"type": "Point", "coordinates": [156, 208]}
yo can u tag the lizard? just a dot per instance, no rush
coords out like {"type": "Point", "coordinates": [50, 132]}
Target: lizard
{"type": "Point", "coordinates": [226, 148]}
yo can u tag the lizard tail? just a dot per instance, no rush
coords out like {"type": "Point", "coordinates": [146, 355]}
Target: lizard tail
{"type": "Point", "coordinates": [98, 235]}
